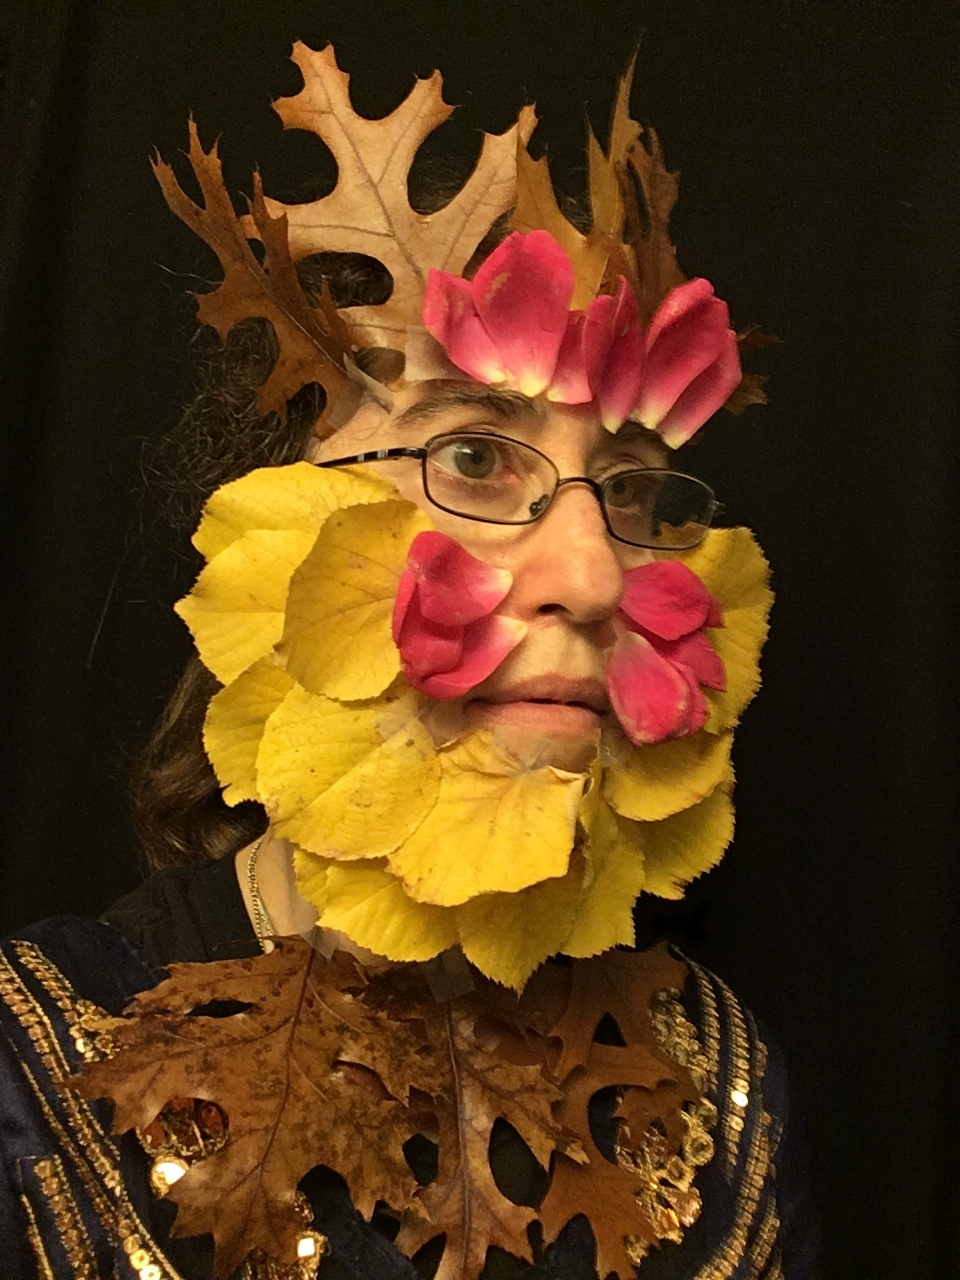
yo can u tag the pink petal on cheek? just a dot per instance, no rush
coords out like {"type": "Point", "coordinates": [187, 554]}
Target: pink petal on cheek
{"type": "Point", "coordinates": [450, 315]}
{"type": "Point", "coordinates": [427, 647]}
{"type": "Point", "coordinates": [454, 587]}
{"type": "Point", "coordinates": [696, 652]}
{"type": "Point", "coordinates": [650, 697]}
{"type": "Point", "coordinates": [705, 395]}
{"type": "Point", "coordinates": [522, 294]}
{"type": "Point", "coordinates": [665, 598]}
{"type": "Point", "coordinates": [486, 644]}
{"type": "Point", "coordinates": [408, 584]}
{"type": "Point", "coordinates": [697, 711]}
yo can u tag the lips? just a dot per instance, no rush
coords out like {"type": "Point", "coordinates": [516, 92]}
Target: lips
{"type": "Point", "coordinates": [586, 694]}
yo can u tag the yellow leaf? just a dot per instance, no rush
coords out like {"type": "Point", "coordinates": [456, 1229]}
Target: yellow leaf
{"type": "Point", "coordinates": [332, 784]}
{"type": "Point", "coordinates": [508, 935]}
{"type": "Point", "coordinates": [368, 211]}
{"type": "Point", "coordinates": [679, 849]}
{"type": "Point", "coordinates": [337, 639]}
{"type": "Point", "coordinates": [615, 876]}
{"type": "Point", "coordinates": [234, 726]}
{"type": "Point", "coordinates": [299, 496]}
{"type": "Point", "coordinates": [235, 610]}
{"type": "Point", "coordinates": [735, 570]}
{"type": "Point", "coordinates": [652, 782]}
{"type": "Point", "coordinates": [311, 872]}
{"type": "Point", "coordinates": [368, 904]}
{"type": "Point", "coordinates": [496, 827]}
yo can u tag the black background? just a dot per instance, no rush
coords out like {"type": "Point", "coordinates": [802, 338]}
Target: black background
{"type": "Point", "coordinates": [818, 147]}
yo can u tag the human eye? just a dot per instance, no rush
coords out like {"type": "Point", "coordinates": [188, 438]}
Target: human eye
{"type": "Point", "coordinates": [477, 458]}
{"type": "Point", "coordinates": [629, 489]}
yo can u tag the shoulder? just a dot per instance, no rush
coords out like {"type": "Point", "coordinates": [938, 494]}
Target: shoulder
{"type": "Point", "coordinates": [187, 914]}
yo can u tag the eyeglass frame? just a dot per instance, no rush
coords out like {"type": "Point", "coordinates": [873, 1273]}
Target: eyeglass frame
{"type": "Point", "coordinates": [422, 452]}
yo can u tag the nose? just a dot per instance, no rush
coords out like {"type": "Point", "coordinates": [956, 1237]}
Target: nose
{"type": "Point", "coordinates": [568, 563]}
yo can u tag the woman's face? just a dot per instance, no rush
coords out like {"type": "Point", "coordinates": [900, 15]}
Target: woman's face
{"type": "Point", "coordinates": [546, 701]}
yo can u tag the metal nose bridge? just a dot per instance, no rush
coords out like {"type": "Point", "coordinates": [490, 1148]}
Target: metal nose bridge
{"type": "Point", "coordinates": [591, 484]}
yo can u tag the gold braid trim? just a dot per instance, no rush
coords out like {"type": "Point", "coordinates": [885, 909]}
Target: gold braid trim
{"type": "Point", "coordinates": [81, 1140]}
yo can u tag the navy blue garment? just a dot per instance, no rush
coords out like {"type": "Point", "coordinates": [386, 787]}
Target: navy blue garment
{"type": "Point", "coordinates": [76, 1200]}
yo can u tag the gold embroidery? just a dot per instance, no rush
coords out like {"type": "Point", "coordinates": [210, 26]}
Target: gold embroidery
{"type": "Point", "coordinates": [756, 1162]}
{"type": "Point", "coordinates": [35, 1241]}
{"type": "Point", "coordinates": [56, 1190]}
{"type": "Point", "coordinates": [667, 1194]}
{"type": "Point", "coordinates": [91, 1153]}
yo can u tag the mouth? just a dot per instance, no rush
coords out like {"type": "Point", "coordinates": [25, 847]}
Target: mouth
{"type": "Point", "coordinates": [547, 704]}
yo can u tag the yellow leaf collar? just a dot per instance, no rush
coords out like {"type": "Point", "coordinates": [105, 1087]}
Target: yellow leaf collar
{"type": "Point", "coordinates": [406, 846]}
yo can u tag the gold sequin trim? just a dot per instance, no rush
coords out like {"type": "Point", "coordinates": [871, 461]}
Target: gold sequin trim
{"type": "Point", "coordinates": [35, 1240]}
{"type": "Point", "coordinates": [91, 1153]}
{"type": "Point", "coordinates": [68, 1224]}
{"type": "Point", "coordinates": [667, 1195]}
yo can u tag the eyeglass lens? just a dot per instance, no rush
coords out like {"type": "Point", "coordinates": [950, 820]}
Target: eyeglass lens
{"type": "Point", "coordinates": [494, 478]}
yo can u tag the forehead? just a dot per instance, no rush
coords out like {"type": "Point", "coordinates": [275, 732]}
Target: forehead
{"type": "Point", "coordinates": [432, 409]}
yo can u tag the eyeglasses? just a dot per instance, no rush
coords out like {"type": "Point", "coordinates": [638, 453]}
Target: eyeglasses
{"type": "Point", "coordinates": [498, 480]}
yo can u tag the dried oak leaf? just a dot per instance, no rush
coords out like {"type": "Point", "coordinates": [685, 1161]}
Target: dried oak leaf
{"type": "Point", "coordinates": [311, 341]}
{"type": "Point", "coordinates": [282, 1071]}
{"type": "Point", "coordinates": [480, 1084]}
{"type": "Point", "coordinates": [369, 212]}
{"type": "Point", "coordinates": [599, 255]}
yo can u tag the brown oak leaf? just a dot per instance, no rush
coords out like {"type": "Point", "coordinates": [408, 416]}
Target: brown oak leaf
{"type": "Point", "coordinates": [369, 212]}
{"type": "Point", "coordinates": [463, 1202]}
{"type": "Point", "coordinates": [311, 341]}
{"type": "Point", "coordinates": [281, 1072]}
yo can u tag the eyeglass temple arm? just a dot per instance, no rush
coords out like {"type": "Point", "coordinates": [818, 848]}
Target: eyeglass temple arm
{"type": "Point", "coordinates": [374, 455]}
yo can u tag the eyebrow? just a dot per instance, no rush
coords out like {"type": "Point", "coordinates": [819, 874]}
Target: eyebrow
{"type": "Point", "coordinates": [505, 405]}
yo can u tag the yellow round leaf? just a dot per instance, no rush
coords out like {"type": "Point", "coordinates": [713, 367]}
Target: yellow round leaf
{"type": "Point", "coordinates": [679, 849]}
{"type": "Point", "coordinates": [337, 639]}
{"type": "Point", "coordinates": [235, 610]}
{"type": "Point", "coordinates": [735, 570]}
{"type": "Point", "coordinates": [299, 496]}
{"type": "Point", "coordinates": [652, 782]}
{"type": "Point", "coordinates": [234, 726]}
{"type": "Point", "coordinates": [333, 785]}
{"type": "Point", "coordinates": [615, 862]}
{"type": "Point", "coordinates": [496, 828]}
{"type": "Point", "coordinates": [368, 904]}
{"type": "Point", "coordinates": [508, 935]}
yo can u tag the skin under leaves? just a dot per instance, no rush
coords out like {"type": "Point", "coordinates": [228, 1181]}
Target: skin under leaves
{"type": "Point", "coordinates": [329, 1065]}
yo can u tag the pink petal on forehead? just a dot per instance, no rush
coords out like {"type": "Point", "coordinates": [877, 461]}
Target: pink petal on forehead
{"type": "Point", "coordinates": [450, 315]}
{"type": "Point", "coordinates": [614, 354]}
{"type": "Point", "coordinates": [689, 333]}
{"type": "Point", "coordinates": [522, 294]}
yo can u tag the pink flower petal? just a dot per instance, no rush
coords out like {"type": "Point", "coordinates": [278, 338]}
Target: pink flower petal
{"type": "Point", "coordinates": [454, 587]}
{"type": "Point", "coordinates": [665, 598]}
{"type": "Point", "coordinates": [450, 315]}
{"type": "Point", "coordinates": [486, 644]}
{"type": "Point", "coordinates": [706, 394]}
{"type": "Point", "coordinates": [650, 696]}
{"type": "Point", "coordinates": [715, 614]}
{"type": "Point", "coordinates": [680, 348]}
{"type": "Point", "coordinates": [408, 585]}
{"type": "Point", "coordinates": [698, 654]}
{"type": "Point", "coordinates": [698, 711]}
{"type": "Point", "coordinates": [426, 647]}
{"type": "Point", "coordinates": [570, 384]}
{"type": "Point", "coordinates": [522, 294]}
{"type": "Point", "coordinates": [614, 360]}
